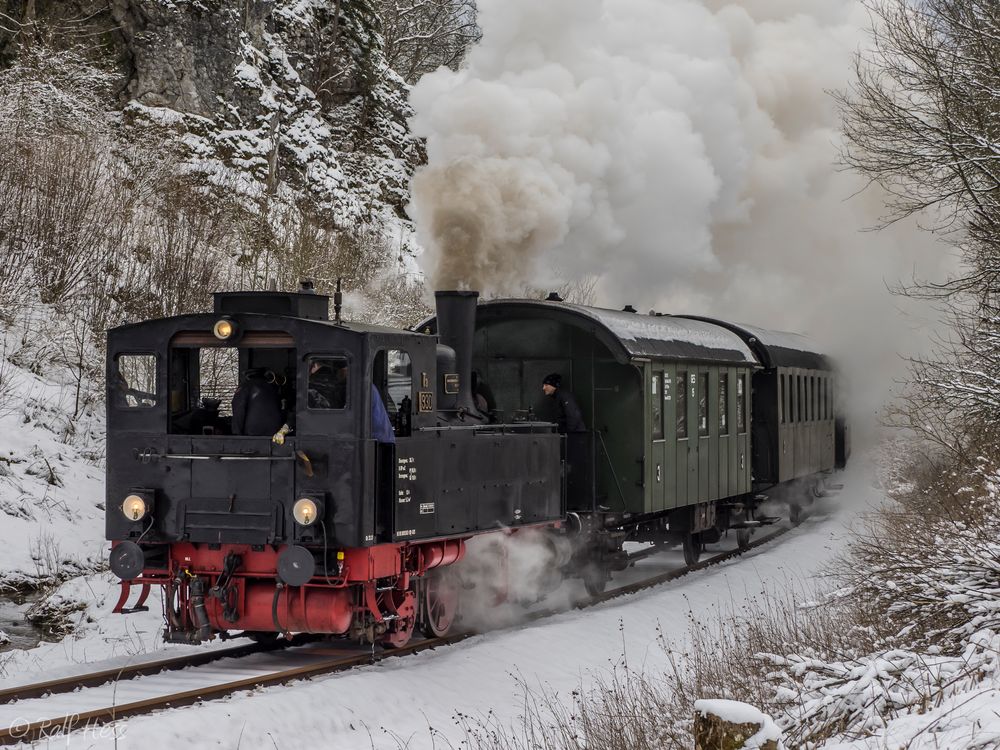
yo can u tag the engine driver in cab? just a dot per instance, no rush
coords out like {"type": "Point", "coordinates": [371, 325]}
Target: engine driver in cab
{"type": "Point", "coordinates": [570, 417]}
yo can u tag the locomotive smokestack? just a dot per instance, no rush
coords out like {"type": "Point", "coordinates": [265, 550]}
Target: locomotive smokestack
{"type": "Point", "coordinates": [456, 325]}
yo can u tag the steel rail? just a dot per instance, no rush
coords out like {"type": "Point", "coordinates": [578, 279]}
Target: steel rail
{"type": "Point", "coordinates": [128, 671]}
{"type": "Point", "coordinates": [48, 728]}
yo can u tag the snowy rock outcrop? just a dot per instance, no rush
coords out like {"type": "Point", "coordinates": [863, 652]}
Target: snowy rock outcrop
{"type": "Point", "coordinates": [286, 91]}
{"type": "Point", "coordinates": [259, 94]}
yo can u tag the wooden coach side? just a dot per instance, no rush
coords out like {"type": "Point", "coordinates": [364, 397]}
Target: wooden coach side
{"type": "Point", "coordinates": [697, 429]}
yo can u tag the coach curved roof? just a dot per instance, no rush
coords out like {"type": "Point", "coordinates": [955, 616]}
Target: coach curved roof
{"type": "Point", "coordinates": [778, 348]}
{"type": "Point", "coordinates": [631, 335]}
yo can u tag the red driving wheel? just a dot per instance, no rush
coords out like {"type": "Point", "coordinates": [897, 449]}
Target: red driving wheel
{"type": "Point", "coordinates": [440, 597]}
{"type": "Point", "coordinates": [401, 604]}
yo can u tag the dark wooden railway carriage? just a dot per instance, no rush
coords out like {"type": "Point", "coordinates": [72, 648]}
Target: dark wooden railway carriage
{"type": "Point", "coordinates": [799, 429]}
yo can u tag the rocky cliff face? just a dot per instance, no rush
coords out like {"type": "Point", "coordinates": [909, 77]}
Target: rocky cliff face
{"type": "Point", "coordinates": [282, 93]}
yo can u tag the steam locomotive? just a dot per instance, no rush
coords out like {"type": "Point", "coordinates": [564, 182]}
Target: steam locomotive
{"type": "Point", "coordinates": [275, 471]}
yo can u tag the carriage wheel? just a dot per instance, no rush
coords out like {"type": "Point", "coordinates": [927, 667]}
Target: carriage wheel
{"type": "Point", "coordinates": [692, 548]}
{"type": "Point", "coordinates": [743, 538]}
{"type": "Point", "coordinates": [440, 600]}
{"type": "Point", "coordinates": [402, 604]}
{"type": "Point", "coordinates": [595, 578]}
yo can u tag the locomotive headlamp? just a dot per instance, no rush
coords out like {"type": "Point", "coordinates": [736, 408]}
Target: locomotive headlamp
{"type": "Point", "coordinates": [135, 508]}
{"type": "Point", "coordinates": [306, 511]}
{"type": "Point", "coordinates": [225, 329]}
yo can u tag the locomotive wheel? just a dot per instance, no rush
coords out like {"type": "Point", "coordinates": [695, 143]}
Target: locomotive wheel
{"type": "Point", "coordinates": [440, 600]}
{"type": "Point", "coordinates": [743, 538]}
{"type": "Point", "coordinates": [595, 578]}
{"type": "Point", "coordinates": [692, 548]}
{"type": "Point", "coordinates": [403, 605]}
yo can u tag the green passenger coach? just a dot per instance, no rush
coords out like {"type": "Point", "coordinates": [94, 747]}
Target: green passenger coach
{"type": "Point", "coordinates": [666, 401]}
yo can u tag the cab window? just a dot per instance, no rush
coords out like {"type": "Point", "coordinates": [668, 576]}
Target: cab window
{"type": "Point", "coordinates": [392, 376]}
{"type": "Point", "coordinates": [134, 382]}
{"type": "Point", "coordinates": [399, 384]}
{"type": "Point", "coordinates": [218, 389]}
{"type": "Point", "coordinates": [328, 383]}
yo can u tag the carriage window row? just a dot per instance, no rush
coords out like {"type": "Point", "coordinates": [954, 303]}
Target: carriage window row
{"type": "Point", "coordinates": [805, 398]}
{"type": "Point", "coordinates": [695, 386]}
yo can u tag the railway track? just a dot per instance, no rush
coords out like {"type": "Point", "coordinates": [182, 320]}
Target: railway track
{"type": "Point", "coordinates": [292, 663]}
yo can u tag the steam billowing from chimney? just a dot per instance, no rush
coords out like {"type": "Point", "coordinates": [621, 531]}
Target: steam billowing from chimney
{"type": "Point", "coordinates": [682, 152]}
{"type": "Point", "coordinates": [581, 128]}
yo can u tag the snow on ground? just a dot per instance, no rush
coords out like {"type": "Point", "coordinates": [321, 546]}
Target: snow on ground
{"type": "Point", "coordinates": [400, 700]}
{"type": "Point", "coordinates": [51, 484]}
{"type": "Point", "coordinates": [97, 634]}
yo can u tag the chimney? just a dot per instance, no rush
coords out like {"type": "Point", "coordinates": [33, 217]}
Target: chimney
{"type": "Point", "coordinates": [456, 325]}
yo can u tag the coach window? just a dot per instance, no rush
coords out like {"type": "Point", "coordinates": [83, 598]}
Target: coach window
{"type": "Point", "coordinates": [702, 404]}
{"type": "Point", "coordinates": [799, 401]}
{"type": "Point", "coordinates": [741, 404]}
{"type": "Point", "coordinates": [134, 384]}
{"type": "Point", "coordinates": [329, 378]}
{"type": "Point", "coordinates": [806, 405]}
{"type": "Point", "coordinates": [723, 403]}
{"type": "Point", "coordinates": [787, 396]}
{"type": "Point", "coordinates": [813, 392]}
{"type": "Point", "coordinates": [657, 405]}
{"type": "Point", "coordinates": [781, 399]}
{"type": "Point", "coordinates": [818, 397]}
{"type": "Point", "coordinates": [682, 405]}
{"type": "Point", "coordinates": [817, 385]}
{"type": "Point", "coordinates": [793, 386]}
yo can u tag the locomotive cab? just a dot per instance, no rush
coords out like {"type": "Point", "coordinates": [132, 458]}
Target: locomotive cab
{"type": "Point", "coordinates": [274, 470]}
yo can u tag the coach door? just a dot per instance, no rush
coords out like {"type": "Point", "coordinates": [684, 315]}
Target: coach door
{"type": "Point", "coordinates": [704, 434]}
{"type": "Point", "coordinates": [657, 474]}
{"type": "Point", "coordinates": [686, 426]}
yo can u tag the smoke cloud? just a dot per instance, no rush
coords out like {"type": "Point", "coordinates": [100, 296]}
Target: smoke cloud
{"type": "Point", "coordinates": [683, 152]}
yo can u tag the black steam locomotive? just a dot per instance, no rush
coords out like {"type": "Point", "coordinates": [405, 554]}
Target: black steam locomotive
{"type": "Point", "coordinates": [276, 471]}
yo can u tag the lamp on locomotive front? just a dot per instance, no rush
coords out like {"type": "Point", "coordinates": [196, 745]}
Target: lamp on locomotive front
{"type": "Point", "coordinates": [225, 329]}
{"type": "Point", "coordinates": [306, 510]}
{"type": "Point", "coordinates": [135, 508]}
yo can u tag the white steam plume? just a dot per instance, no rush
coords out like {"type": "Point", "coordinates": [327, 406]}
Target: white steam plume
{"type": "Point", "coordinates": [683, 152]}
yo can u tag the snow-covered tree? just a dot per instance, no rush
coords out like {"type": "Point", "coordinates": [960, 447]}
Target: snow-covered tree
{"type": "Point", "coordinates": [920, 121]}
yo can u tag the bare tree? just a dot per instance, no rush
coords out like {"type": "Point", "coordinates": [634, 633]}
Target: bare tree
{"type": "Point", "coordinates": [920, 121]}
{"type": "Point", "coordinates": [422, 35]}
